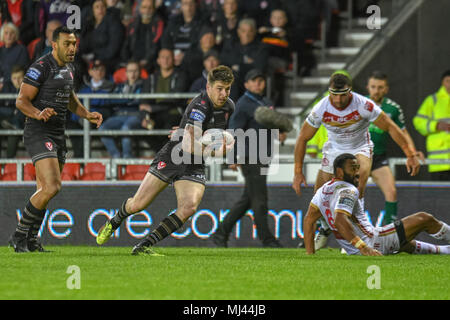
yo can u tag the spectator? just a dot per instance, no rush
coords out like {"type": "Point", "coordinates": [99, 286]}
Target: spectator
{"type": "Point", "coordinates": [277, 39]}
{"type": "Point", "coordinates": [183, 29]}
{"type": "Point", "coordinates": [126, 113]}
{"type": "Point", "coordinates": [4, 13]}
{"type": "Point", "coordinates": [11, 118]}
{"type": "Point", "coordinates": [433, 121]}
{"type": "Point", "coordinates": [247, 54]}
{"type": "Point", "coordinates": [211, 9]}
{"type": "Point", "coordinates": [163, 113]}
{"type": "Point", "coordinates": [143, 36]}
{"type": "Point", "coordinates": [227, 23]}
{"type": "Point", "coordinates": [101, 37]}
{"type": "Point", "coordinates": [22, 14]}
{"type": "Point", "coordinates": [304, 19]}
{"type": "Point", "coordinates": [44, 45]}
{"type": "Point", "coordinates": [95, 83]}
{"type": "Point", "coordinates": [211, 60]}
{"type": "Point", "coordinates": [11, 53]}
{"type": "Point", "coordinates": [193, 59]}
{"type": "Point", "coordinates": [259, 10]}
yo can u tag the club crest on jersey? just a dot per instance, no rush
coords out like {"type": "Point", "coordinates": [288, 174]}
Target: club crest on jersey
{"type": "Point", "coordinates": [161, 165]}
{"type": "Point", "coordinates": [49, 146]}
{"type": "Point", "coordinates": [368, 106]}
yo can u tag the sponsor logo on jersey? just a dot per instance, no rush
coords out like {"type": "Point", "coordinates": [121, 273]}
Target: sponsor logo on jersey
{"type": "Point", "coordinates": [341, 121]}
{"type": "Point", "coordinates": [33, 73]}
{"type": "Point", "coordinates": [197, 115]}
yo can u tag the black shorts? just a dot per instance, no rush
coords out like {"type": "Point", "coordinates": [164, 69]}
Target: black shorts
{"type": "Point", "coordinates": [379, 160]}
{"type": "Point", "coordinates": [163, 168]}
{"type": "Point", "coordinates": [45, 145]}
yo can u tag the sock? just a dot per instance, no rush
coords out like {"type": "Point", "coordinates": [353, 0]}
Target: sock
{"type": "Point", "coordinates": [30, 216]}
{"type": "Point", "coordinates": [428, 248]}
{"type": "Point", "coordinates": [391, 212]}
{"type": "Point", "coordinates": [34, 229]}
{"type": "Point", "coordinates": [443, 234]}
{"type": "Point", "coordinates": [169, 225]}
{"type": "Point", "coordinates": [121, 215]}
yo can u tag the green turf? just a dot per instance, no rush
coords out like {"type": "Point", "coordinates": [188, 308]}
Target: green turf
{"type": "Point", "coordinates": [220, 274]}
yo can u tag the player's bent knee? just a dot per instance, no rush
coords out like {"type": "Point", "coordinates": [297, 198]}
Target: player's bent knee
{"type": "Point", "coordinates": [51, 189]}
{"type": "Point", "coordinates": [425, 217]}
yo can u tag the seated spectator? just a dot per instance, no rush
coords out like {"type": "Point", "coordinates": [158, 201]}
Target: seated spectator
{"type": "Point", "coordinates": [22, 14]}
{"type": "Point", "coordinates": [303, 19]}
{"type": "Point", "coordinates": [10, 117]}
{"type": "Point", "coordinates": [163, 113]}
{"type": "Point", "coordinates": [277, 40]}
{"type": "Point", "coordinates": [247, 54]}
{"type": "Point", "coordinates": [183, 29]}
{"type": "Point", "coordinates": [259, 10]}
{"type": "Point", "coordinates": [227, 24]}
{"type": "Point", "coordinates": [11, 53]}
{"type": "Point", "coordinates": [211, 9]}
{"type": "Point", "coordinates": [210, 61]}
{"type": "Point", "coordinates": [44, 45]}
{"type": "Point", "coordinates": [101, 37]}
{"type": "Point", "coordinates": [126, 113]}
{"type": "Point", "coordinates": [143, 36]}
{"type": "Point", "coordinates": [193, 59]}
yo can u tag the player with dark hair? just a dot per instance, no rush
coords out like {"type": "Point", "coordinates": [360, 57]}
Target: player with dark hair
{"type": "Point", "coordinates": [337, 202]}
{"type": "Point", "coordinates": [210, 109]}
{"type": "Point", "coordinates": [45, 95]}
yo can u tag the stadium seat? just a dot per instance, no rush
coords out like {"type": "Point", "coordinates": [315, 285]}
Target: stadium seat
{"type": "Point", "coordinates": [94, 171]}
{"type": "Point", "coordinates": [29, 172]}
{"type": "Point", "coordinates": [134, 172]}
{"type": "Point", "coordinates": [9, 172]}
{"type": "Point", "coordinates": [120, 75]}
{"type": "Point", "coordinates": [71, 171]}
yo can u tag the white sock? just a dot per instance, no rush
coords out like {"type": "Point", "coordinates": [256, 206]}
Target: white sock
{"type": "Point", "coordinates": [428, 248]}
{"type": "Point", "coordinates": [443, 234]}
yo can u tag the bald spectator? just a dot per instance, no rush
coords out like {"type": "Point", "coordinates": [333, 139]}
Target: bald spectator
{"type": "Point", "coordinates": [247, 54]}
{"type": "Point", "coordinates": [143, 36]}
{"type": "Point", "coordinates": [44, 46]}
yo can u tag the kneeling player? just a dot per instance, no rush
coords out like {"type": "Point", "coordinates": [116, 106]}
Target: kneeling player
{"type": "Point", "coordinates": [337, 201]}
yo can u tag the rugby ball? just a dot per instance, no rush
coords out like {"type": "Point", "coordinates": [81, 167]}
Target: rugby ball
{"type": "Point", "coordinates": [217, 137]}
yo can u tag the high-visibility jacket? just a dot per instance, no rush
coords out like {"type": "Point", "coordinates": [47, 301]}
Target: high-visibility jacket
{"type": "Point", "coordinates": [435, 107]}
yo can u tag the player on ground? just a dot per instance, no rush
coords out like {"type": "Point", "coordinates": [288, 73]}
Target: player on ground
{"type": "Point", "coordinates": [337, 202]}
{"type": "Point", "coordinates": [45, 95]}
{"type": "Point", "coordinates": [210, 109]}
{"type": "Point", "coordinates": [346, 115]}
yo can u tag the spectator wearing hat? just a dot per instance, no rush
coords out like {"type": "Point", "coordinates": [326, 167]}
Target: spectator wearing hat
{"type": "Point", "coordinates": [247, 54]}
{"type": "Point", "coordinates": [253, 167]}
{"type": "Point", "coordinates": [143, 36]}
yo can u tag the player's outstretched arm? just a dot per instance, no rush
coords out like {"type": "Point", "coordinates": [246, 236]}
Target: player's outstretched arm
{"type": "Point", "coordinates": [77, 108]}
{"type": "Point", "coordinates": [306, 133]}
{"type": "Point", "coordinates": [385, 123]}
{"type": "Point", "coordinates": [309, 227]}
{"type": "Point", "coordinates": [27, 94]}
{"type": "Point", "coordinates": [344, 227]}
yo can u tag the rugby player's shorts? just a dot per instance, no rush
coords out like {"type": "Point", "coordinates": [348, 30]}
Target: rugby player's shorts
{"type": "Point", "coordinates": [166, 170]}
{"type": "Point", "coordinates": [330, 154]}
{"type": "Point", "coordinates": [41, 145]}
{"type": "Point", "coordinates": [389, 238]}
{"type": "Point", "coordinates": [379, 160]}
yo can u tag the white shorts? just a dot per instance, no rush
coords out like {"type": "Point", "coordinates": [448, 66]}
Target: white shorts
{"type": "Point", "coordinates": [330, 153]}
{"type": "Point", "coordinates": [385, 239]}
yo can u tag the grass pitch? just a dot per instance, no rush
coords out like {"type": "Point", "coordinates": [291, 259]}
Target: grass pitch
{"type": "Point", "coordinates": [219, 274]}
